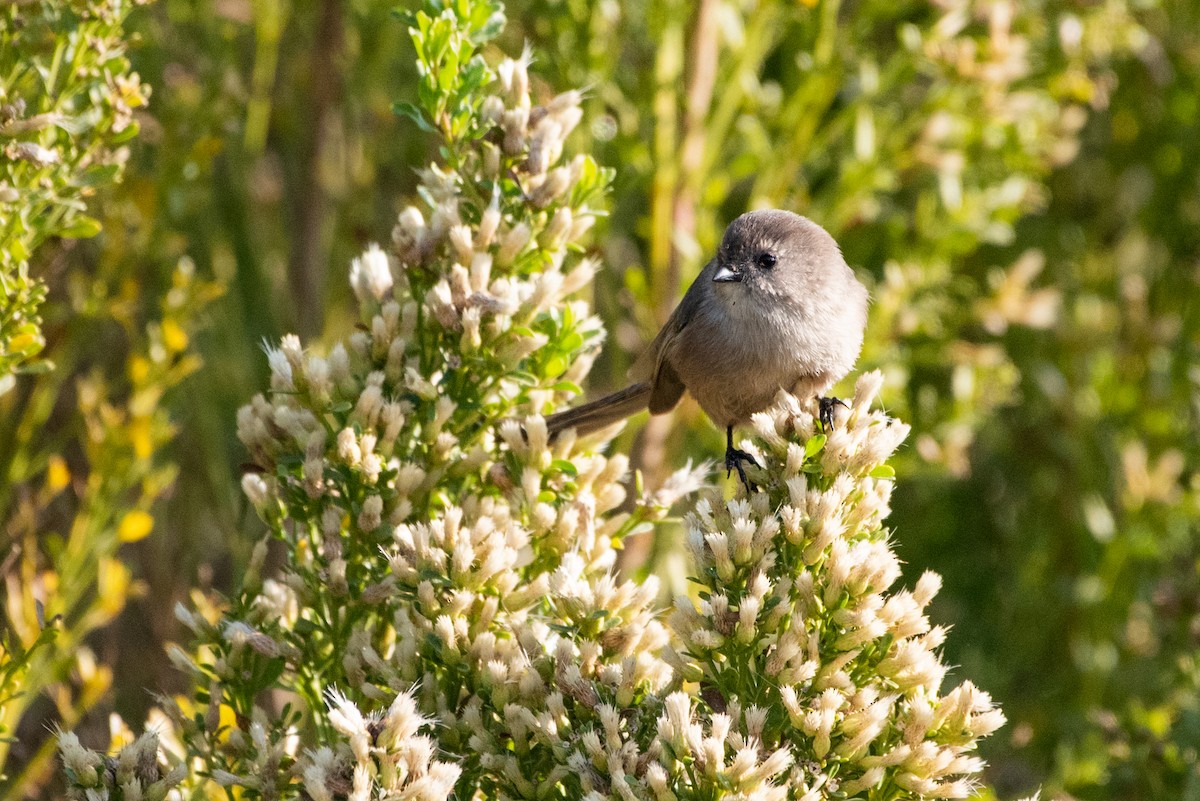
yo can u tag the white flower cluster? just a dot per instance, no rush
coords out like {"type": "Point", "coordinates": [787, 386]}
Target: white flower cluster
{"type": "Point", "coordinates": [505, 610]}
{"type": "Point", "coordinates": [134, 774]}
{"type": "Point", "coordinates": [486, 282]}
{"type": "Point", "coordinates": [796, 617]}
{"type": "Point", "coordinates": [384, 757]}
{"type": "Point", "coordinates": [684, 758]}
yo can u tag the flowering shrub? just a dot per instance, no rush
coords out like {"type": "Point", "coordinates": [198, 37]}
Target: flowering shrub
{"type": "Point", "coordinates": [449, 566]}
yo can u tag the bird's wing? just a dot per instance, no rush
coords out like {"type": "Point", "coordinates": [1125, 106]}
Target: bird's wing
{"type": "Point", "coordinates": [666, 391]}
{"type": "Point", "coordinates": [655, 365]}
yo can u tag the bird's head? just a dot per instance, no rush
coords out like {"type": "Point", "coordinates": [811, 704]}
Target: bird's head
{"type": "Point", "coordinates": [774, 253]}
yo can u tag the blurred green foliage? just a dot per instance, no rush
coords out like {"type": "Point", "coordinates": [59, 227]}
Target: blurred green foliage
{"type": "Point", "coordinates": [66, 104]}
{"type": "Point", "coordinates": [1019, 180]}
{"type": "Point", "coordinates": [87, 356]}
{"type": "Point", "coordinates": [1080, 552]}
{"type": "Point", "coordinates": [83, 466]}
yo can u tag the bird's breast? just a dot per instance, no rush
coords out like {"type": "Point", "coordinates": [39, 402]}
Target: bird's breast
{"type": "Point", "coordinates": [735, 362]}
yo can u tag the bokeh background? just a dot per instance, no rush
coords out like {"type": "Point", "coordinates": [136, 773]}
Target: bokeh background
{"type": "Point", "coordinates": [1018, 183]}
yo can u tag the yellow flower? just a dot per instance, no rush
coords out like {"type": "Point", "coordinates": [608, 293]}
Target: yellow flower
{"type": "Point", "coordinates": [135, 525]}
{"type": "Point", "coordinates": [112, 585]}
{"type": "Point", "coordinates": [57, 474]}
{"type": "Point", "coordinates": [228, 722]}
{"type": "Point", "coordinates": [140, 438]}
{"type": "Point", "coordinates": [174, 337]}
{"type": "Point", "coordinates": [23, 342]}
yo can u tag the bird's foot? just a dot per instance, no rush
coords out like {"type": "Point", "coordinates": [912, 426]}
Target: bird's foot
{"type": "Point", "coordinates": [826, 406]}
{"type": "Point", "coordinates": [734, 458]}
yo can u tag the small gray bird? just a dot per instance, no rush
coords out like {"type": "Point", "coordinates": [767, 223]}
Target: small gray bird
{"type": "Point", "coordinates": [778, 308]}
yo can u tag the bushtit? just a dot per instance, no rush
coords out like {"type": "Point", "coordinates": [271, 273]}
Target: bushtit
{"type": "Point", "coordinates": [778, 308]}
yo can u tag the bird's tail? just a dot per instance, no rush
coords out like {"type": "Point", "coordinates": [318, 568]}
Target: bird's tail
{"type": "Point", "coordinates": [602, 412]}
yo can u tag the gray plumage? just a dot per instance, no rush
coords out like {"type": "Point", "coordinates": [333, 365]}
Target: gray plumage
{"type": "Point", "coordinates": [777, 308]}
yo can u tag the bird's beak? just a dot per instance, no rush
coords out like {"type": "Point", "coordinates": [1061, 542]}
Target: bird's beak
{"type": "Point", "coordinates": [724, 274]}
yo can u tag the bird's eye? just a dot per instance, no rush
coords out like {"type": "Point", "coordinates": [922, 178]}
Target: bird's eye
{"type": "Point", "coordinates": [765, 260]}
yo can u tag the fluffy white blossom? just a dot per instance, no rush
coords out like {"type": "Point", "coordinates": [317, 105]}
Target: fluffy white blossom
{"type": "Point", "coordinates": [371, 275]}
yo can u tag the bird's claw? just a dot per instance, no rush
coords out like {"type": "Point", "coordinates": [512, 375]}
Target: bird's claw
{"type": "Point", "coordinates": [826, 410]}
{"type": "Point", "coordinates": [733, 461]}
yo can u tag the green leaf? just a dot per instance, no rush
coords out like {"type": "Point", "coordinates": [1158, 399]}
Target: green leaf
{"type": "Point", "coordinates": [448, 75]}
{"type": "Point", "coordinates": [39, 367]}
{"type": "Point", "coordinates": [589, 172]}
{"type": "Point", "coordinates": [126, 134]}
{"type": "Point", "coordinates": [438, 39]}
{"type": "Point", "coordinates": [491, 29]}
{"type": "Point", "coordinates": [814, 446]}
{"type": "Point", "coordinates": [883, 471]}
{"type": "Point", "coordinates": [405, 109]}
{"type": "Point", "coordinates": [564, 466]}
{"type": "Point", "coordinates": [571, 342]}
{"type": "Point", "coordinates": [99, 175]}
{"type": "Point", "coordinates": [473, 76]}
{"type": "Point", "coordinates": [82, 227]}
{"type": "Point", "coordinates": [555, 366]}
{"type": "Point", "coordinates": [272, 672]}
